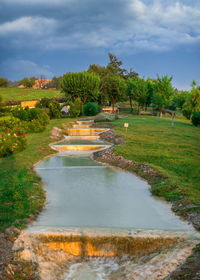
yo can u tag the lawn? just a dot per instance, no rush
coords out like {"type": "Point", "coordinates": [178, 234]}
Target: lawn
{"type": "Point", "coordinates": [27, 93]}
{"type": "Point", "coordinates": [173, 151]}
{"type": "Point", "coordinates": [21, 194]}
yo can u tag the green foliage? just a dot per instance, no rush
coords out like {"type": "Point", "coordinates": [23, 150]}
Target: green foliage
{"type": "Point", "coordinates": [9, 122]}
{"type": "Point", "coordinates": [178, 99]}
{"type": "Point", "coordinates": [12, 140]}
{"type": "Point", "coordinates": [137, 91]}
{"type": "Point", "coordinates": [26, 114]}
{"type": "Point", "coordinates": [54, 83]}
{"type": "Point", "coordinates": [83, 85]}
{"type": "Point", "coordinates": [113, 88]}
{"type": "Point", "coordinates": [192, 103]}
{"type": "Point", "coordinates": [187, 110]}
{"type": "Point", "coordinates": [54, 109]}
{"type": "Point", "coordinates": [28, 82]}
{"type": "Point", "coordinates": [163, 92]}
{"type": "Point", "coordinates": [53, 106]}
{"type": "Point", "coordinates": [3, 82]}
{"type": "Point", "coordinates": [75, 108]}
{"type": "Point", "coordinates": [91, 109]}
{"type": "Point", "coordinates": [196, 118]}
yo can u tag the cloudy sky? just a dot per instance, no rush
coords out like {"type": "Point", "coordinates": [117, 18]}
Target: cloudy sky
{"type": "Point", "coordinates": [52, 37]}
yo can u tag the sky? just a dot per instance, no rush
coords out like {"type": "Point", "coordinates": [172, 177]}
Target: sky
{"type": "Point", "coordinates": [52, 37]}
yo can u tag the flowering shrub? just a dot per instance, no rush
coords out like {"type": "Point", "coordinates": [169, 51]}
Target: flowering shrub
{"type": "Point", "coordinates": [9, 122]}
{"type": "Point", "coordinates": [12, 140]}
{"type": "Point", "coordinates": [34, 126]}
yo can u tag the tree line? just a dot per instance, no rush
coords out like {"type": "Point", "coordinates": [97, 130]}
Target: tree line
{"type": "Point", "coordinates": [112, 83]}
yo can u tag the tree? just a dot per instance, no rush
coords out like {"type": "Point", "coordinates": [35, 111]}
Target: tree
{"type": "Point", "coordinates": [114, 67]}
{"type": "Point", "coordinates": [137, 91]}
{"type": "Point", "coordinates": [163, 92]}
{"type": "Point", "coordinates": [3, 82]}
{"type": "Point", "coordinates": [192, 103]}
{"type": "Point", "coordinates": [54, 83]}
{"type": "Point", "coordinates": [114, 88]}
{"type": "Point", "coordinates": [81, 85]}
{"type": "Point", "coordinates": [28, 82]}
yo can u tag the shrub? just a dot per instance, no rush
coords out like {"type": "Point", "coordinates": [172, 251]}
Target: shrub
{"type": "Point", "coordinates": [34, 126]}
{"type": "Point", "coordinates": [91, 109]}
{"type": "Point", "coordinates": [187, 111]}
{"type": "Point", "coordinates": [9, 122]}
{"type": "Point", "coordinates": [52, 105]}
{"type": "Point", "coordinates": [11, 140]}
{"type": "Point", "coordinates": [54, 110]}
{"type": "Point", "coordinates": [43, 103]}
{"type": "Point", "coordinates": [75, 108]}
{"type": "Point", "coordinates": [21, 113]}
{"type": "Point", "coordinates": [196, 119]}
{"type": "Point", "coordinates": [38, 114]}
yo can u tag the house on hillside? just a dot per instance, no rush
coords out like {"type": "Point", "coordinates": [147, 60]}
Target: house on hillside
{"type": "Point", "coordinates": [41, 83]}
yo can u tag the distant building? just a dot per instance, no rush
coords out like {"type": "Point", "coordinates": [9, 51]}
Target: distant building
{"type": "Point", "coordinates": [41, 83]}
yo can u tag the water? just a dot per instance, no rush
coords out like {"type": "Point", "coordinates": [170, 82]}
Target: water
{"type": "Point", "coordinates": [80, 142]}
{"type": "Point", "coordinates": [84, 194]}
{"type": "Point", "coordinates": [86, 197]}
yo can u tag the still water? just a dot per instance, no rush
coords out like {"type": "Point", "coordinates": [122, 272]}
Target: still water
{"type": "Point", "coordinates": [82, 193]}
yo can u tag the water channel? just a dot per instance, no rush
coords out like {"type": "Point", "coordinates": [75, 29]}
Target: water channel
{"type": "Point", "coordinates": [85, 195]}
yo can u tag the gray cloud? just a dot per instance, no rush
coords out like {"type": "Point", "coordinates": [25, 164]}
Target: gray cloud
{"type": "Point", "coordinates": [133, 25]}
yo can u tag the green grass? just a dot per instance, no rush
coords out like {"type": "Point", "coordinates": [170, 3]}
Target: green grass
{"type": "Point", "coordinates": [21, 194]}
{"type": "Point", "coordinates": [27, 93]}
{"type": "Point", "coordinates": [173, 151]}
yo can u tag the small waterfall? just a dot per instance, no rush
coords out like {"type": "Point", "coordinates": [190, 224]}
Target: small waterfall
{"type": "Point", "coordinates": [143, 255]}
{"type": "Point", "coordinates": [78, 134]}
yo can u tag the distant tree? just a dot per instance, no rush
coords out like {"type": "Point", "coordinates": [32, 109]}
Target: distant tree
{"type": "Point", "coordinates": [137, 91]}
{"type": "Point", "coordinates": [192, 103]}
{"type": "Point", "coordinates": [114, 88]}
{"type": "Point", "coordinates": [163, 92]}
{"type": "Point", "coordinates": [115, 64]}
{"type": "Point", "coordinates": [193, 84]}
{"type": "Point", "coordinates": [55, 83]}
{"type": "Point", "coordinates": [28, 82]}
{"type": "Point", "coordinates": [81, 85]}
{"type": "Point", "coordinates": [178, 99]}
{"type": "Point", "coordinates": [3, 82]}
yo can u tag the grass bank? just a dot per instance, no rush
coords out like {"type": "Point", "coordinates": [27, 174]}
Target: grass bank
{"type": "Point", "coordinates": [27, 93]}
{"type": "Point", "coordinates": [21, 194]}
{"type": "Point", "coordinates": [173, 151]}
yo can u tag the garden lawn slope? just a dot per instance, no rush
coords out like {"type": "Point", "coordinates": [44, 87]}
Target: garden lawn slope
{"type": "Point", "coordinates": [28, 93]}
{"type": "Point", "coordinates": [21, 194]}
{"type": "Point", "coordinates": [172, 151]}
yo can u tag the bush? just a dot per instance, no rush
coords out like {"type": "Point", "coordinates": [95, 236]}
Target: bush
{"type": "Point", "coordinates": [12, 140]}
{"type": "Point", "coordinates": [75, 108]}
{"type": "Point", "coordinates": [38, 114]}
{"type": "Point", "coordinates": [187, 111]}
{"type": "Point", "coordinates": [196, 119]}
{"type": "Point", "coordinates": [21, 113]}
{"type": "Point", "coordinates": [34, 126]}
{"type": "Point", "coordinates": [53, 107]}
{"type": "Point", "coordinates": [9, 122]}
{"type": "Point", "coordinates": [54, 110]}
{"type": "Point", "coordinates": [91, 109]}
